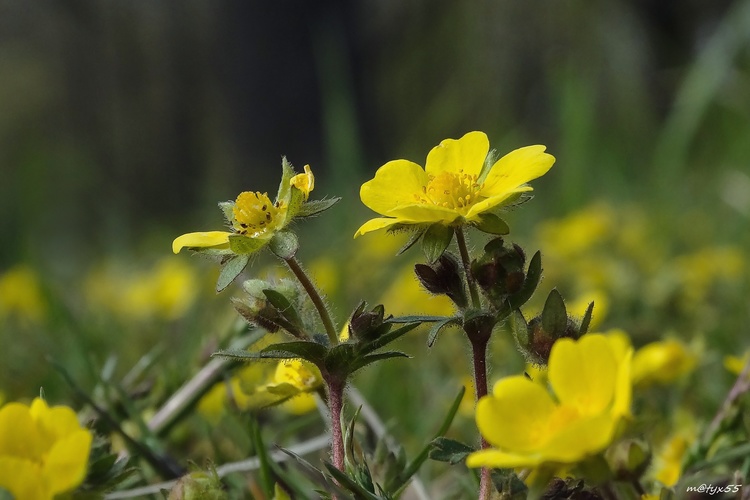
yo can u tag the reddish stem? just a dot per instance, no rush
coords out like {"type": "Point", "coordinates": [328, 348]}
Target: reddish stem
{"type": "Point", "coordinates": [479, 358]}
{"type": "Point", "coordinates": [335, 403]}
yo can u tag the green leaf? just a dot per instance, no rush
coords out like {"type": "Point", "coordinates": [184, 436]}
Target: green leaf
{"type": "Point", "coordinates": [372, 358]}
{"type": "Point", "coordinates": [533, 275]}
{"type": "Point", "coordinates": [519, 328]}
{"type": "Point", "coordinates": [267, 479]}
{"type": "Point", "coordinates": [586, 321]}
{"type": "Point", "coordinates": [449, 450]}
{"type": "Point", "coordinates": [492, 224]}
{"type": "Point", "coordinates": [285, 308]}
{"type": "Point", "coordinates": [437, 328]}
{"type": "Point", "coordinates": [386, 339]}
{"type": "Point", "coordinates": [230, 270]}
{"type": "Point", "coordinates": [416, 319]}
{"type": "Point", "coordinates": [240, 355]}
{"type": "Point", "coordinates": [338, 359]}
{"type": "Point", "coordinates": [311, 208]}
{"type": "Point", "coordinates": [435, 240]}
{"type": "Point", "coordinates": [284, 244]}
{"type": "Point", "coordinates": [244, 245]}
{"type": "Point", "coordinates": [311, 351]}
{"type": "Point", "coordinates": [554, 314]}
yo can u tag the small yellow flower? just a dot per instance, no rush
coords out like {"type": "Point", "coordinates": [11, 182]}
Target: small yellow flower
{"type": "Point", "coordinates": [452, 188]}
{"type": "Point", "coordinates": [666, 466]}
{"type": "Point", "coordinates": [529, 428]}
{"type": "Point", "coordinates": [662, 362]}
{"type": "Point", "coordinates": [21, 295]}
{"type": "Point", "coordinates": [253, 217]}
{"type": "Point", "coordinates": [304, 182]}
{"type": "Point", "coordinates": [736, 364]}
{"type": "Point", "coordinates": [43, 451]}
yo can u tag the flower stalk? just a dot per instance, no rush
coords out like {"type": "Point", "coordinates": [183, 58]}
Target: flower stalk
{"type": "Point", "coordinates": [464, 251]}
{"type": "Point", "coordinates": [315, 297]}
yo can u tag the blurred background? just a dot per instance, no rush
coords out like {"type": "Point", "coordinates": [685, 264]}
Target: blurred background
{"type": "Point", "coordinates": [122, 124]}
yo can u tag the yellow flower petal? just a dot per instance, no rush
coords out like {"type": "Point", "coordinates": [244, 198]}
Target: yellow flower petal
{"type": "Point", "coordinates": [205, 239]}
{"type": "Point", "coordinates": [516, 168]}
{"type": "Point", "coordinates": [512, 416]}
{"type": "Point", "coordinates": [22, 479]}
{"type": "Point", "coordinates": [304, 182]}
{"type": "Point", "coordinates": [583, 373]}
{"type": "Point", "coordinates": [66, 463]}
{"type": "Point", "coordinates": [395, 184]}
{"type": "Point", "coordinates": [494, 201]}
{"type": "Point", "coordinates": [581, 437]}
{"type": "Point", "coordinates": [497, 459]}
{"type": "Point", "coordinates": [466, 155]}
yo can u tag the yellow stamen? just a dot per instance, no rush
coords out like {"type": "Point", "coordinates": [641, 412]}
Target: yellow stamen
{"type": "Point", "coordinates": [254, 214]}
{"type": "Point", "coordinates": [450, 190]}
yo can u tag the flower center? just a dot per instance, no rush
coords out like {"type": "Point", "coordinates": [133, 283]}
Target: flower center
{"type": "Point", "coordinates": [456, 191]}
{"type": "Point", "coordinates": [254, 214]}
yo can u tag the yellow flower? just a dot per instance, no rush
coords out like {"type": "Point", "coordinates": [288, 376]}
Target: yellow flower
{"type": "Point", "coordinates": [529, 428]}
{"type": "Point", "coordinates": [666, 466]}
{"type": "Point", "coordinates": [43, 451]}
{"type": "Point", "coordinates": [663, 362]}
{"type": "Point", "coordinates": [452, 189]}
{"type": "Point", "coordinates": [253, 217]}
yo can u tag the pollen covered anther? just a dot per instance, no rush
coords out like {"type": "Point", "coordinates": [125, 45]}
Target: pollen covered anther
{"type": "Point", "coordinates": [451, 190]}
{"type": "Point", "coordinates": [254, 214]}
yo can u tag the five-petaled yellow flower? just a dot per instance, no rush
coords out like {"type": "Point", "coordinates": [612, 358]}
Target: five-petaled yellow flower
{"type": "Point", "coordinates": [452, 189]}
{"type": "Point", "coordinates": [253, 217]}
{"type": "Point", "coordinates": [529, 427]}
{"type": "Point", "coordinates": [43, 451]}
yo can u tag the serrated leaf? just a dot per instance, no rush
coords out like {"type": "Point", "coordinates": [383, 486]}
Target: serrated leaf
{"type": "Point", "coordinates": [492, 224]}
{"type": "Point", "coordinates": [315, 207]}
{"type": "Point", "coordinates": [435, 240]}
{"type": "Point", "coordinates": [413, 238]}
{"type": "Point", "coordinates": [230, 270]}
{"type": "Point", "coordinates": [244, 245]}
{"type": "Point", "coordinates": [282, 304]}
{"type": "Point", "coordinates": [449, 450]}
{"type": "Point", "coordinates": [284, 244]}
{"type": "Point", "coordinates": [554, 314]}
{"type": "Point", "coordinates": [437, 328]}
{"type": "Point", "coordinates": [345, 481]}
{"type": "Point", "coordinates": [586, 321]}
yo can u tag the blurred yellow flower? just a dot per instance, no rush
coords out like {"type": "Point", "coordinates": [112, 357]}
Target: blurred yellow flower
{"type": "Point", "coordinates": [578, 232]}
{"type": "Point", "coordinates": [43, 451]}
{"type": "Point", "coordinates": [450, 189]}
{"type": "Point", "coordinates": [578, 306]}
{"type": "Point", "coordinates": [666, 466]}
{"type": "Point", "coordinates": [21, 295]}
{"type": "Point", "coordinates": [701, 270]}
{"type": "Point", "coordinates": [736, 364]}
{"type": "Point", "coordinates": [662, 362]}
{"type": "Point", "coordinates": [528, 427]}
{"type": "Point", "coordinates": [406, 296]}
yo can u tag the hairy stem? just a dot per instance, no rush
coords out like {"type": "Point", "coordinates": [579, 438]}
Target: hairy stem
{"type": "Point", "coordinates": [479, 362]}
{"type": "Point", "coordinates": [335, 404]}
{"type": "Point", "coordinates": [461, 242]}
{"type": "Point", "coordinates": [316, 298]}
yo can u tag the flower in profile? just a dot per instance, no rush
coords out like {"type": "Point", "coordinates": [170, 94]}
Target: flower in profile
{"type": "Point", "coordinates": [253, 218]}
{"type": "Point", "coordinates": [528, 427]}
{"type": "Point", "coordinates": [454, 187]}
{"type": "Point", "coordinates": [43, 451]}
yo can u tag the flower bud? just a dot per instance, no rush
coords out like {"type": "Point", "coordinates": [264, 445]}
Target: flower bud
{"type": "Point", "coordinates": [443, 278]}
{"type": "Point", "coordinates": [500, 270]}
{"type": "Point", "coordinates": [368, 325]}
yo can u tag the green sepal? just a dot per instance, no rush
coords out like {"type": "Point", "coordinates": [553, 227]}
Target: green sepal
{"type": "Point", "coordinates": [449, 450]}
{"type": "Point", "coordinates": [338, 359]}
{"type": "Point", "coordinates": [230, 270]}
{"type": "Point", "coordinates": [311, 351]}
{"type": "Point", "coordinates": [586, 321]}
{"type": "Point", "coordinates": [284, 244]}
{"type": "Point", "coordinates": [413, 238]}
{"type": "Point", "coordinates": [244, 245]}
{"type": "Point", "coordinates": [416, 319]}
{"type": "Point", "coordinates": [533, 275]}
{"type": "Point", "coordinates": [296, 202]}
{"type": "Point", "coordinates": [554, 314]}
{"type": "Point", "coordinates": [285, 308]}
{"type": "Point", "coordinates": [492, 224]}
{"type": "Point", "coordinates": [435, 240]}
{"type": "Point", "coordinates": [285, 187]}
{"type": "Point", "coordinates": [519, 328]}
{"type": "Point", "coordinates": [489, 161]}
{"type": "Point", "coordinates": [438, 327]}
{"type": "Point", "coordinates": [311, 208]}
{"type": "Point", "coordinates": [227, 208]}
{"type": "Point", "coordinates": [240, 355]}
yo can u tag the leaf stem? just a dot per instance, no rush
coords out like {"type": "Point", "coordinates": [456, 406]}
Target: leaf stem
{"type": "Point", "coordinates": [462, 249]}
{"type": "Point", "coordinates": [316, 298]}
{"type": "Point", "coordinates": [335, 404]}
